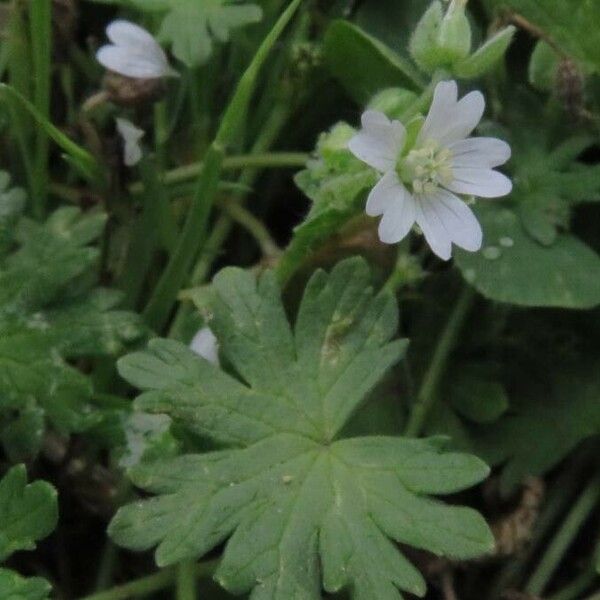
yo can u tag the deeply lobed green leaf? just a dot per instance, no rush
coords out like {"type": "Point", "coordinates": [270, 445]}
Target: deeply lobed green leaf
{"type": "Point", "coordinates": [303, 510]}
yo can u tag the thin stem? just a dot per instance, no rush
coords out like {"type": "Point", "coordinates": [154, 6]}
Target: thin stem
{"type": "Point", "coordinates": [428, 391]}
{"type": "Point", "coordinates": [577, 587]}
{"type": "Point", "coordinates": [144, 586]}
{"type": "Point", "coordinates": [253, 226]}
{"type": "Point", "coordinates": [185, 584]}
{"type": "Point", "coordinates": [555, 552]}
{"type": "Point", "coordinates": [267, 160]}
{"type": "Point", "coordinates": [40, 18]}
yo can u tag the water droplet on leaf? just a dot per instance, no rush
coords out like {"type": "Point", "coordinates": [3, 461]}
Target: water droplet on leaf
{"type": "Point", "coordinates": [492, 253]}
{"type": "Point", "coordinates": [507, 242]}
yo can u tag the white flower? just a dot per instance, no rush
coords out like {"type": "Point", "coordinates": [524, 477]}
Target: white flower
{"type": "Point", "coordinates": [206, 345]}
{"type": "Point", "coordinates": [131, 135]}
{"type": "Point", "coordinates": [133, 53]}
{"type": "Point", "coordinates": [419, 183]}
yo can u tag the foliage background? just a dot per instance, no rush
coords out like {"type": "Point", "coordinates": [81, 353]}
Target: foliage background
{"type": "Point", "coordinates": [100, 264]}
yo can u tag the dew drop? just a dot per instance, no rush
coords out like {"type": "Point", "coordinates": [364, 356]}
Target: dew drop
{"type": "Point", "coordinates": [507, 242]}
{"type": "Point", "coordinates": [492, 253]}
{"type": "Point", "coordinates": [469, 275]}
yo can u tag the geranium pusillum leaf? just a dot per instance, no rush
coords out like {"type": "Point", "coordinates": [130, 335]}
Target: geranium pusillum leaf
{"type": "Point", "coordinates": [302, 510]}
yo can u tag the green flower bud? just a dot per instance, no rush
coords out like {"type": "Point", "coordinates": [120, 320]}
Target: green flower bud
{"type": "Point", "coordinates": [440, 40]}
{"type": "Point", "coordinates": [393, 102]}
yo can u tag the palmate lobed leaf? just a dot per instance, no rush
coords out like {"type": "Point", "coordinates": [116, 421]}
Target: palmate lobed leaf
{"type": "Point", "coordinates": [303, 510]}
{"type": "Point", "coordinates": [50, 313]}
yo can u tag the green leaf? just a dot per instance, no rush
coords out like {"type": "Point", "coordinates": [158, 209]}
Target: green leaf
{"type": "Point", "coordinates": [15, 587]}
{"type": "Point", "coordinates": [28, 512]}
{"type": "Point", "coordinates": [79, 157]}
{"type": "Point", "coordinates": [546, 421]}
{"type": "Point", "coordinates": [363, 64]}
{"type": "Point", "coordinates": [515, 269]}
{"type": "Point", "coordinates": [301, 509]}
{"type": "Point", "coordinates": [571, 24]}
{"type": "Point", "coordinates": [49, 314]}
{"type": "Point", "coordinates": [336, 182]}
{"type": "Point", "coordinates": [486, 56]}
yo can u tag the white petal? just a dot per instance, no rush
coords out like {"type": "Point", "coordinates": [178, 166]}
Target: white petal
{"type": "Point", "coordinates": [461, 224]}
{"type": "Point", "coordinates": [442, 105]}
{"type": "Point", "coordinates": [128, 131]}
{"type": "Point", "coordinates": [398, 218]}
{"type": "Point", "coordinates": [132, 154]}
{"type": "Point", "coordinates": [434, 228]}
{"type": "Point", "coordinates": [205, 344]}
{"type": "Point", "coordinates": [131, 137]}
{"type": "Point", "coordinates": [126, 33]}
{"type": "Point", "coordinates": [384, 194]}
{"type": "Point", "coordinates": [449, 121]}
{"type": "Point", "coordinates": [134, 52]}
{"type": "Point", "coordinates": [485, 183]}
{"type": "Point", "coordinates": [379, 142]}
{"type": "Point", "coordinates": [479, 152]}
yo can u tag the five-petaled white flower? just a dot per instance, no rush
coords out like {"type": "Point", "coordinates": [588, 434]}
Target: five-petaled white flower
{"type": "Point", "coordinates": [206, 345]}
{"type": "Point", "coordinates": [133, 53]}
{"type": "Point", "coordinates": [132, 152]}
{"type": "Point", "coordinates": [419, 182]}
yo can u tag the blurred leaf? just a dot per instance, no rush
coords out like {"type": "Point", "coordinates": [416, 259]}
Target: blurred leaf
{"type": "Point", "coordinates": [15, 587]}
{"type": "Point", "coordinates": [364, 65]}
{"type": "Point", "coordinates": [515, 269]}
{"type": "Point", "coordinates": [28, 512]}
{"type": "Point", "coordinates": [572, 24]}
{"type": "Point", "coordinates": [546, 421]}
{"type": "Point", "coordinates": [49, 314]}
{"type": "Point", "coordinates": [543, 66]}
{"type": "Point", "coordinates": [303, 509]}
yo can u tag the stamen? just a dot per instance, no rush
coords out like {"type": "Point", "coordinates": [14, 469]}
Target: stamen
{"type": "Point", "coordinates": [426, 168]}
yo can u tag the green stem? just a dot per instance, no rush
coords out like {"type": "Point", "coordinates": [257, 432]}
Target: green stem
{"type": "Point", "coordinates": [144, 586]}
{"type": "Point", "coordinates": [428, 391]}
{"type": "Point", "coordinates": [577, 587]}
{"type": "Point", "coordinates": [581, 510]}
{"type": "Point", "coordinates": [40, 19]}
{"type": "Point", "coordinates": [270, 160]}
{"type": "Point", "coordinates": [255, 227]}
{"type": "Point", "coordinates": [186, 581]}
{"type": "Point", "coordinates": [194, 231]}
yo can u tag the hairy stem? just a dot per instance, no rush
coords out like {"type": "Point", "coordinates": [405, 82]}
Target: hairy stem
{"type": "Point", "coordinates": [428, 392]}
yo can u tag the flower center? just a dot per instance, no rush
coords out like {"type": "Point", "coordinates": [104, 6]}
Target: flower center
{"type": "Point", "coordinates": [426, 168]}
